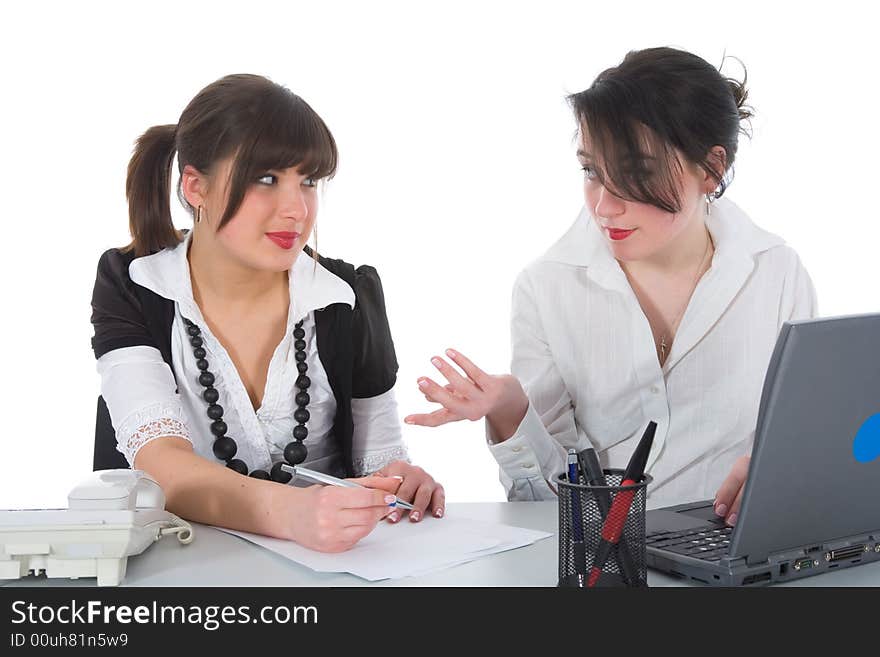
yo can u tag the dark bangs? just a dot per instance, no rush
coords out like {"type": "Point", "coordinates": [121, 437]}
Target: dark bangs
{"type": "Point", "coordinates": [630, 158]}
{"type": "Point", "coordinates": [655, 102]}
{"type": "Point", "coordinates": [284, 132]}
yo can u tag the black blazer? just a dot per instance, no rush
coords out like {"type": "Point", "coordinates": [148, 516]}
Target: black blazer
{"type": "Point", "coordinates": [355, 345]}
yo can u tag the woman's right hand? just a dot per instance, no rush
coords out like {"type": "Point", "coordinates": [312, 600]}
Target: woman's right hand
{"type": "Point", "coordinates": [333, 518]}
{"type": "Point", "coordinates": [499, 398]}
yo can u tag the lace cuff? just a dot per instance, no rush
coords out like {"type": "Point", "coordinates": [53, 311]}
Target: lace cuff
{"type": "Point", "coordinates": [369, 463]}
{"type": "Point", "coordinates": [142, 426]}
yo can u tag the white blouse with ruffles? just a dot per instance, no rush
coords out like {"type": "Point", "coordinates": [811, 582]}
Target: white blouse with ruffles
{"type": "Point", "coordinates": [139, 388]}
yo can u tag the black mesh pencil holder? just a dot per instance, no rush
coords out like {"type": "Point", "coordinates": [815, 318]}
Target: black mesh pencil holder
{"type": "Point", "coordinates": [589, 555]}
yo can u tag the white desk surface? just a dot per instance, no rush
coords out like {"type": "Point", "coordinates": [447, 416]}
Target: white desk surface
{"type": "Point", "coordinates": [215, 558]}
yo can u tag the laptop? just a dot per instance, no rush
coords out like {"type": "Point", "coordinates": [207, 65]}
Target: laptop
{"type": "Point", "coordinates": [812, 498]}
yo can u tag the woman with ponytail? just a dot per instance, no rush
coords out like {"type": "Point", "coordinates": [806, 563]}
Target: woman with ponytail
{"type": "Point", "coordinates": [224, 353]}
{"type": "Point", "coordinates": [662, 302]}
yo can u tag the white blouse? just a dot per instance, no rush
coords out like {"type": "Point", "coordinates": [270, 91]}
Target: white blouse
{"type": "Point", "coordinates": [585, 355]}
{"type": "Point", "coordinates": [139, 388]}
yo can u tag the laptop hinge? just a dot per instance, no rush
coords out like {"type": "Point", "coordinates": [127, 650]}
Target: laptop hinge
{"type": "Point", "coordinates": [732, 562]}
{"type": "Point", "coordinates": [754, 560]}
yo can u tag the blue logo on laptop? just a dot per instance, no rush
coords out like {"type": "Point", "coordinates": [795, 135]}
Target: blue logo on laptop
{"type": "Point", "coordinates": [866, 446]}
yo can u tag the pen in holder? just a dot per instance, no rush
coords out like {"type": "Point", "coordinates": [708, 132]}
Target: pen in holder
{"type": "Point", "coordinates": [590, 554]}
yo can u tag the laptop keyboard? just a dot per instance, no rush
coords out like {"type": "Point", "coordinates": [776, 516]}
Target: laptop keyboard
{"type": "Point", "coordinates": [710, 542]}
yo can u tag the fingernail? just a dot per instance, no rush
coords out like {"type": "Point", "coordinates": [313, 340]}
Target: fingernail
{"type": "Point", "coordinates": [423, 384]}
{"type": "Point", "coordinates": [390, 499]}
{"type": "Point", "coordinates": [397, 477]}
{"type": "Point", "coordinates": [732, 519]}
{"type": "Point", "coordinates": [436, 362]}
{"type": "Point", "coordinates": [721, 510]}
{"type": "Point", "coordinates": [394, 517]}
{"type": "Point", "coordinates": [451, 353]}
{"type": "Point", "coordinates": [415, 516]}
{"type": "Point", "coordinates": [438, 513]}
{"type": "Point", "coordinates": [408, 420]}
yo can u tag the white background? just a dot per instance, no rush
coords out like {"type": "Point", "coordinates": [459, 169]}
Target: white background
{"type": "Point", "coordinates": [457, 168]}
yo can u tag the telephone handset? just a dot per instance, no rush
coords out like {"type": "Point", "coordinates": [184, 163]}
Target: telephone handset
{"type": "Point", "coordinates": [111, 515]}
{"type": "Point", "coordinates": [117, 489]}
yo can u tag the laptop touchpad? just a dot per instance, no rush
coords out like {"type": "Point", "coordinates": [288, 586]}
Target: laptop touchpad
{"type": "Point", "coordinates": [671, 521]}
{"type": "Point", "coordinates": [706, 513]}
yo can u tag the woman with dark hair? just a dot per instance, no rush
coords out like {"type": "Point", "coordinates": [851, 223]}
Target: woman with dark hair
{"type": "Point", "coordinates": [662, 302]}
{"type": "Point", "coordinates": [224, 354]}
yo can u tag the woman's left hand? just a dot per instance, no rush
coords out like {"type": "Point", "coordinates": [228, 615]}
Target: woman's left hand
{"type": "Point", "coordinates": [416, 487]}
{"type": "Point", "coordinates": [729, 496]}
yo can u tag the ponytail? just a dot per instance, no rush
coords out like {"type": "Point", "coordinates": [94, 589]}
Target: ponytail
{"type": "Point", "coordinates": [148, 190]}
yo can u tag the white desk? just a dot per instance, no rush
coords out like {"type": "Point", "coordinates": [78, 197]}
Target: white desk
{"type": "Point", "coordinates": [215, 558]}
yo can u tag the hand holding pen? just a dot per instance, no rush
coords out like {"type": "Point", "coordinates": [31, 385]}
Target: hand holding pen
{"type": "Point", "coordinates": [331, 518]}
{"type": "Point", "coordinates": [614, 523]}
{"type": "Point", "coordinates": [300, 472]}
{"type": "Point", "coordinates": [414, 484]}
{"type": "Point", "coordinates": [427, 495]}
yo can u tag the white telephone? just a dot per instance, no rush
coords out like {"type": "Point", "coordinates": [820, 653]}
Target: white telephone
{"type": "Point", "coordinates": [111, 515]}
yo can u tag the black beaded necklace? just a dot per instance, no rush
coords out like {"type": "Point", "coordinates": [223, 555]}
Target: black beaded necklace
{"type": "Point", "coordinates": [224, 446]}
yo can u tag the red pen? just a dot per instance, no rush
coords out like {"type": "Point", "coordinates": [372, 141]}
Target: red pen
{"type": "Point", "coordinates": [613, 527]}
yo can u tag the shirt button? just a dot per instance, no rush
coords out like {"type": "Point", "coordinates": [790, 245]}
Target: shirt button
{"type": "Point", "coordinates": [528, 466]}
{"type": "Point", "coordinates": [655, 389]}
{"type": "Point", "coordinates": [518, 448]}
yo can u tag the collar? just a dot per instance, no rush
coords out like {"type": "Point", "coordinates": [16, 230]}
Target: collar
{"type": "Point", "coordinates": [737, 241]}
{"type": "Point", "coordinates": [735, 235]}
{"type": "Point", "coordinates": [312, 286]}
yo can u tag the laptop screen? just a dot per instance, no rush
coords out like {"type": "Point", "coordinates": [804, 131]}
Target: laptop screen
{"type": "Point", "coordinates": [805, 483]}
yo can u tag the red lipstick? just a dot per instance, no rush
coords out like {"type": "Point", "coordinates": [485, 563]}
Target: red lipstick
{"type": "Point", "coordinates": [619, 234]}
{"type": "Point", "coordinates": [283, 239]}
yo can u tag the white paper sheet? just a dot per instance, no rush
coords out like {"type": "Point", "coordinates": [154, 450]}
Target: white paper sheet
{"type": "Point", "coordinates": [407, 548]}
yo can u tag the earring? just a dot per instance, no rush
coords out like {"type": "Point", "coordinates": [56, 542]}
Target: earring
{"type": "Point", "coordinates": [199, 215]}
{"type": "Point", "coordinates": [709, 198]}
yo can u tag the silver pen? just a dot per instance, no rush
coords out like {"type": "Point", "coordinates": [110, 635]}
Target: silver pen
{"type": "Point", "coordinates": [320, 477]}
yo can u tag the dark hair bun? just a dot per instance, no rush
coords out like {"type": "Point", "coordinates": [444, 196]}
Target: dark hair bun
{"type": "Point", "coordinates": [740, 96]}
